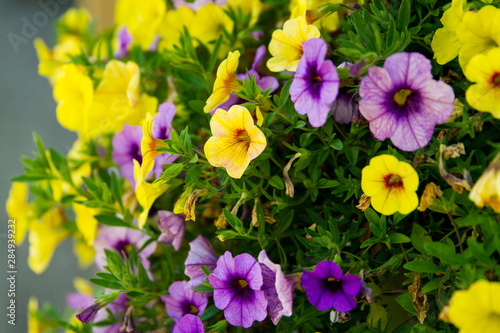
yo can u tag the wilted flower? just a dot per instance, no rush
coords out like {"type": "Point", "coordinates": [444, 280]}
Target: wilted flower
{"type": "Point", "coordinates": [476, 309]}
{"type": "Point", "coordinates": [390, 184]}
{"type": "Point", "coordinates": [402, 101]}
{"type": "Point", "coordinates": [286, 44]}
{"type": "Point", "coordinates": [431, 192]}
{"type": "Point", "coordinates": [277, 287]}
{"type": "Point", "coordinates": [237, 289]}
{"type": "Point", "coordinates": [486, 191]}
{"type": "Point", "coordinates": [235, 141]}
{"type": "Point", "coordinates": [172, 227]}
{"type": "Point", "coordinates": [201, 254]}
{"type": "Point", "coordinates": [183, 300]}
{"type": "Point", "coordinates": [326, 287]}
{"type": "Point", "coordinates": [316, 83]}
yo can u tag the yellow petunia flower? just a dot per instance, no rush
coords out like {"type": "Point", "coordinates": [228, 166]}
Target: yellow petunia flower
{"type": "Point", "coordinates": [76, 20]}
{"type": "Point", "coordinates": [477, 309]}
{"type": "Point", "coordinates": [235, 141]}
{"type": "Point", "coordinates": [44, 237]}
{"type": "Point", "coordinates": [142, 18]}
{"type": "Point", "coordinates": [478, 32]}
{"type": "Point", "coordinates": [118, 100]}
{"type": "Point", "coordinates": [484, 70]}
{"type": "Point", "coordinates": [286, 44]}
{"type": "Point", "coordinates": [208, 23]}
{"type": "Point", "coordinates": [310, 9]}
{"type": "Point", "coordinates": [486, 191]}
{"type": "Point", "coordinates": [146, 194]}
{"type": "Point", "coordinates": [173, 24]}
{"type": "Point", "coordinates": [19, 209]}
{"type": "Point", "coordinates": [445, 43]}
{"type": "Point", "coordinates": [247, 7]}
{"type": "Point", "coordinates": [391, 184]}
{"type": "Point", "coordinates": [85, 221]}
{"type": "Point", "coordinates": [73, 92]}
{"type": "Point", "coordinates": [149, 145]}
{"type": "Point", "coordinates": [226, 82]}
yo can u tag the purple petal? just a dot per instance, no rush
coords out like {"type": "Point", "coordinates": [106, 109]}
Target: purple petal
{"type": "Point", "coordinates": [326, 269]}
{"type": "Point", "coordinates": [79, 301]}
{"type": "Point", "coordinates": [244, 310]}
{"type": "Point", "coordinates": [408, 69]}
{"type": "Point", "coordinates": [223, 292]}
{"type": "Point", "coordinates": [172, 227]}
{"type": "Point", "coordinates": [201, 253]}
{"type": "Point", "coordinates": [225, 267]}
{"type": "Point", "coordinates": [162, 122]}
{"type": "Point", "coordinates": [246, 267]}
{"type": "Point", "coordinates": [259, 56]}
{"type": "Point", "coordinates": [188, 324]}
{"type": "Point", "coordinates": [438, 100]}
{"type": "Point", "coordinates": [342, 108]}
{"type": "Point", "coordinates": [269, 82]}
{"type": "Point", "coordinates": [154, 44]}
{"type": "Point", "coordinates": [374, 82]}
{"type": "Point", "coordinates": [124, 39]}
{"type": "Point", "coordinates": [127, 147]}
{"type": "Point", "coordinates": [314, 54]}
{"type": "Point", "coordinates": [351, 284]}
{"type": "Point", "coordinates": [412, 132]}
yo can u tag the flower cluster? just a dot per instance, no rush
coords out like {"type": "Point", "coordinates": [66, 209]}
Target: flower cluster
{"type": "Point", "coordinates": [248, 165]}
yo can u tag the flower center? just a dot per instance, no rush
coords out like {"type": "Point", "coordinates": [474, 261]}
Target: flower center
{"type": "Point", "coordinates": [495, 79]}
{"type": "Point", "coordinates": [393, 180]}
{"type": "Point", "coordinates": [242, 135]}
{"type": "Point", "coordinates": [193, 309]}
{"type": "Point", "coordinates": [242, 283]}
{"type": "Point", "coordinates": [331, 279]}
{"type": "Point", "coordinates": [401, 96]}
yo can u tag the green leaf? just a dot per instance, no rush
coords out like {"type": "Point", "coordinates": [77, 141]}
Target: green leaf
{"type": "Point", "coordinates": [422, 266]}
{"type": "Point", "coordinates": [398, 238]}
{"type": "Point", "coordinates": [106, 284]}
{"type": "Point", "coordinates": [111, 220]}
{"type": "Point", "coordinates": [285, 92]}
{"type": "Point", "coordinates": [204, 288]}
{"type": "Point", "coordinates": [205, 270]}
{"type": "Point", "coordinates": [473, 219]}
{"type": "Point", "coordinates": [337, 144]}
{"type": "Point", "coordinates": [209, 313]}
{"type": "Point", "coordinates": [277, 182]}
{"type": "Point", "coordinates": [431, 285]}
{"type": "Point", "coordinates": [419, 237]}
{"type": "Point", "coordinates": [406, 301]}
{"type": "Point", "coordinates": [107, 276]}
{"type": "Point", "coordinates": [404, 15]}
{"type": "Point", "coordinates": [445, 253]}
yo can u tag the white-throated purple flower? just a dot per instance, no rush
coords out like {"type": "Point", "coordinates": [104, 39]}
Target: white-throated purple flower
{"type": "Point", "coordinates": [127, 148]}
{"type": "Point", "coordinates": [122, 240]}
{"type": "Point", "coordinates": [183, 300]}
{"type": "Point", "coordinates": [326, 287]}
{"type": "Point", "coordinates": [124, 40]}
{"type": "Point", "coordinates": [188, 324]}
{"type": "Point", "coordinates": [237, 284]}
{"type": "Point", "coordinates": [403, 102]}
{"type": "Point", "coordinates": [201, 253]}
{"type": "Point", "coordinates": [316, 83]}
{"type": "Point", "coordinates": [277, 287]}
{"type": "Point", "coordinates": [172, 227]}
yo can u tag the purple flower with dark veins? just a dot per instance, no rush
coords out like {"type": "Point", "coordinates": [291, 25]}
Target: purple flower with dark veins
{"type": "Point", "coordinates": [127, 148]}
{"type": "Point", "coordinates": [277, 287]}
{"type": "Point", "coordinates": [122, 240]}
{"type": "Point", "coordinates": [188, 324]}
{"type": "Point", "coordinates": [172, 227]}
{"type": "Point", "coordinates": [316, 83]}
{"type": "Point", "coordinates": [183, 300]}
{"type": "Point", "coordinates": [403, 102]}
{"type": "Point", "coordinates": [200, 253]}
{"type": "Point", "coordinates": [237, 284]}
{"type": "Point", "coordinates": [124, 39]}
{"type": "Point", "coordinates": [326, 287]}
{"type": "Point", "coordinates": [161, 130]}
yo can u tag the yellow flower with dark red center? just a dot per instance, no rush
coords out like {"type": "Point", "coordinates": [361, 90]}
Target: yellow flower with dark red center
{"type": "Point", "coordinates": [391, 184]}
{"type": "Point", "coordinates": [286, 44]}
{"type": "Point", "coordinates": [484, 70]}
{"type": "Point", "coordinates": [486, 191]}
{"type": "Point", "coordinates": [225, 83]}
{"type": "Point", "coordinates": [235, 141]}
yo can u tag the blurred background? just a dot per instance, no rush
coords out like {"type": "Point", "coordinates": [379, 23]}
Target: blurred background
{"type": "Point", "coordinates": [27, 106]}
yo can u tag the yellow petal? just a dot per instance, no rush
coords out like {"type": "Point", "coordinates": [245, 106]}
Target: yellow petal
{"type": "Point", "coordinates": [445, 45]}
{"type": "Point", "coordinates": [19, 210]}
{"type": "Point", "coordinates": [208, 23]}
{"type": "Point", "coordinates": [173, 24]}
{"type": "Point", "coordinates": [84, 252]}
{"type": "Point", "coordinates": [86, 222]}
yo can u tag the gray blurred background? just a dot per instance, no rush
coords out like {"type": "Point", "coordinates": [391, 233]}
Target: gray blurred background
{"type": "Point", "coordinates": [26, 106]}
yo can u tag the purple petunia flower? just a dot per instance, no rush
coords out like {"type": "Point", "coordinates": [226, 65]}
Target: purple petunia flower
{"type": "Point", "coordinates": [188, 324]}
{"type": "Point", "coordinates": [127, 148]}
{"type": "Point", "coordinates": [183, 300]}
{"type": "Point", "coordinates": [172, 227]}
{"type": "Point", "coordinates": [326, 287]}
{"type": "Point", "coordinates": [121, 239]}
{"type": "Point", "coordinates": [402, 101]}
{"type": "Point", "coordinates": [264, 83]}
{"type": "Point", "coordinates": [201, 253]}
{"type": "Point", "coordinates": [237, 289]}
{"type": "Point", "coordinates": [278, 288]}
{"type": "Point", "coordinates": [316, 83]}
{"type": "Point", "coordinates": [124, 39]}
{"type": "Point", "coordinates": [161, 130]}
